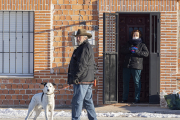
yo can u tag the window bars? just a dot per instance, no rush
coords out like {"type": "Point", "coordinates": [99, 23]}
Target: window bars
{"type": "Point", "coordinates": [16, 43]}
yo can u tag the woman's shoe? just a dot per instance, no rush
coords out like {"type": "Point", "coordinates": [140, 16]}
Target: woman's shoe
{"type": "Point", "coordinates": [123, 101]}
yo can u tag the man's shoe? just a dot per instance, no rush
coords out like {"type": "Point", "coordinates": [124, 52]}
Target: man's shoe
{"type": "Point", "coordinates": [136, 101]}
{"type": "Point", "coordinates": [123, 101]}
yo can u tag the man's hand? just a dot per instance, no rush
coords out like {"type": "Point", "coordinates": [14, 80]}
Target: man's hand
{"type": "Point", "coordinates": [76, 81]}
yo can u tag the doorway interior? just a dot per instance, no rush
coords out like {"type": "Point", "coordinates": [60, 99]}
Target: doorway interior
{"type": "Point", "coordinates": [128, 23]}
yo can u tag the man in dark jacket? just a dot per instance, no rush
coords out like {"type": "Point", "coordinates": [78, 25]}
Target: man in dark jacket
{"type": "Point", "coordinates": [134, 52]}
{"type": "Point", "coordinates": [81, 75]}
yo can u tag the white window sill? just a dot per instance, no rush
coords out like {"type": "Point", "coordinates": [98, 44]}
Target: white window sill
{"type": "Point", "coordinates": [16, 76]}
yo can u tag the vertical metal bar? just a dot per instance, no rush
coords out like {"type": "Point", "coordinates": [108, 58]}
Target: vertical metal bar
{"type": "Point", "coordinates": [109, 33]}
{"type": "Point", "coordinates": [150, 33]}
{"type": "Point", "coordinates": [154, 34]}
{"type": "Point", "coordinates": [9, 41]}
{"type": "Point", "coordinates": [33, 42]}
{"type": "Point", "coordinates": [16, 42]}
{"type": "Point", "coordinates": [29, 42]}
{"type": "Point", "coordinates": [22, 42]}
{"type": "Point", "coordinates": [104, 50]}
{"type": "Point", "coordinates": [117, 38]}
{"type": "Point", "coordinates": [3, 43]}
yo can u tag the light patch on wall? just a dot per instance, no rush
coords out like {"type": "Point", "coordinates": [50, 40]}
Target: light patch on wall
{"type": "Point", "coordinates": [91, 40]}
{"type": "Point", "coordinates": [51, 40]}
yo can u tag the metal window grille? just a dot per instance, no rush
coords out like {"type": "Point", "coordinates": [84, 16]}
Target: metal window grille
{"type": "Point", "coordinates": [16, 43]}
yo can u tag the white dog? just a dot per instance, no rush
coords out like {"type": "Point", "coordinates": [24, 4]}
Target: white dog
{"type": "Point", "coordinates": [44, 100]}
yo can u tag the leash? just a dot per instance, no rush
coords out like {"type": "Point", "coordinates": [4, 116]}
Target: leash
{"type": "Point", "coordinates": [94, 83]}
{"type": "Point", "coordinates": [64, 88]}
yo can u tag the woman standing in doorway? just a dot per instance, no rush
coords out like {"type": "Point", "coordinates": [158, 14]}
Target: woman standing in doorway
{"type": "Point", "coordinates": [134, 52]}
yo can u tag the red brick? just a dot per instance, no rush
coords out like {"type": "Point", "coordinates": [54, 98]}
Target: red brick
{"type": "Point", "coordinates": [31, 86]}
{"type": "Point", "coordinates": [57, 7]}
{"type": "Point", "coordinates": [70, 97]}
{"type": "Point", "coordinates": [11, 102]}
{"type": "Point", "coordinates": [8, 97]}
{"type": "Point", "coordinates": [8, 86]}
{"type": "Point", "coordinates": [60, 1]}
{"type": "Point", "coordinates": [11, 91]}
{"type": "Point", "coordinates": [28, 80]}
{"type": "Point", "coordinates": [5, 91]}
{"type": "Point", "coordinates": [16, 102]}
{"type": "Point", "coordinates": [33, 91]}
{"type": "Point", "coordinates": [2, 86]}
{"type": "Point", "coordinates": [68, 102]}
{"type": "Point", "coordinates": [68, 6]}
{"type": "Point", "coordinates": [16, 80]}
{"type": "Point", "coordinates": [77, 7]}
{"type": "Point", "coordinates": [22, 91]}
{"type": "Point", "coordinates": [14, 97]}
{"type": "Point", "coordinates": [19, 86]}
{"type": "Point", "coordinates": [1, 91]}
{"type": "Point", "coordinates": [14, 86]}
{"type": "Point", "coordinates": [25, 97]}
{"type": "Point", "coordinates": [5, 102]}
{"type": "Point", "coordinates": [22, 80]}
{"type": "Point", "coordinates": [28, 91]}
{"type": "Point", "coordinates": [19, 97]}
{"type": "Point", "coordinates": [25, 86]}
{"type": "Point", "coordinates": [54, 1]}
{"type": "Point", "coordinates": [16, 91]}
{"type": "Point", "coordinates": [22, 102]}
{"type": "Point", "coordinates": [27, 102]}
{"type": "Point", "coordinates": [2, 97]}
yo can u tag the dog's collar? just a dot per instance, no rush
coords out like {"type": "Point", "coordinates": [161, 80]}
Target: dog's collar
{"type": "Point", "coordinates": [47, 94]}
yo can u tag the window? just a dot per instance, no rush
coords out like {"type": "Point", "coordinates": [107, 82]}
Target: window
{"type": "Point", "coordinates": [16, 43]}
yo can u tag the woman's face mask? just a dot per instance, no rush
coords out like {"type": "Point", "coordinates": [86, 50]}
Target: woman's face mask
{"type": "Point", "coordinates": [136, 35]}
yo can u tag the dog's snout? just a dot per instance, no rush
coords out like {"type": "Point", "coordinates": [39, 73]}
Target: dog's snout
{"type": "Point", "coordinates": [48, 90]}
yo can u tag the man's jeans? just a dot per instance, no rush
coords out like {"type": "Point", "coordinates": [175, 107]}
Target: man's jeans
{"type": "Point", "coordinates": [82, 96]}
{"type": "Point", "coordinates": [126, 78]}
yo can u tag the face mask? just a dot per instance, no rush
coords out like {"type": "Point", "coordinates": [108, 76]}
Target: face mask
{"type": "Point", "coordinates": [135, 37]}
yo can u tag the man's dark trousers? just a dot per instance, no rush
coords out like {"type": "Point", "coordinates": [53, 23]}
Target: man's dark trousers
{"type": "Point", "coordinates": [126, 78]}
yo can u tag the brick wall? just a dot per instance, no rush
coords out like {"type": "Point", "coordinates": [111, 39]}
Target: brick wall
{"type": "Point", "coordinates": [54, 23]}
{"type": "Point", "coordinates": [18, 92]}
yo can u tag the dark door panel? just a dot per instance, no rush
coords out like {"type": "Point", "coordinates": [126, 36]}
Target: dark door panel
{"type": "Point", "coordinates": [110, 58]}
{"type": "Point", "coordinates": [154, 58]}
{"type": "Point", "coordinates": [127, 23]}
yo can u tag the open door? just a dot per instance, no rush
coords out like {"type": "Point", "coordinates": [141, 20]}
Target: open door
{"type": "Point", "coordinates": [110, 58]}
{"type": "Point", "coordinates": [154, 51]}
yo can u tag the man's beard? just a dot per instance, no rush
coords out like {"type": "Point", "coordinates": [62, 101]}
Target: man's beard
{"type": "Point", "coordinates": [79, 43]}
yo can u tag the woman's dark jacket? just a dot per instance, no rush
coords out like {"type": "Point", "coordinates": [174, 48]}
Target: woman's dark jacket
{"type": "Point", "coordinates": [81, 66]}
{"type": "Point", "coordinates": [134, 60]}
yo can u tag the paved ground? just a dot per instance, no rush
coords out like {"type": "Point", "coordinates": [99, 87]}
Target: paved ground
{"type": "Point", "coordinates": [103, 118]}
{"type": "Point", "coordinates": [121, 108]}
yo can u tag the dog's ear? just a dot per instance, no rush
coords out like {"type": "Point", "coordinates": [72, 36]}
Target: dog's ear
{"type": "Point", "coordinates": [53, 84]}
{"type": "Point", "coordinates": [44, 83]}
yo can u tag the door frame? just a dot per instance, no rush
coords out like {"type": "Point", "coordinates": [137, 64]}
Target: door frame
{"type": "Point", "coordinates": [151, 82]}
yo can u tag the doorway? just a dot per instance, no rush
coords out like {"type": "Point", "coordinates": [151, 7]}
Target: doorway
{"type": "Point", "coordinates": [116, 32]}
{"type": "Point", "coordinates": [128, 23]}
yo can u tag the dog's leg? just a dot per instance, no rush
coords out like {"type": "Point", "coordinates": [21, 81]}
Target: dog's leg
{"type": "Point", "coordinates": [52, 113]}
{"type": "Point", "coordinates": [46, 112]}
{"type": "Point", "coordinates": [38, 111]}
{"type": "Point", "coordinates": [31, 109]}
